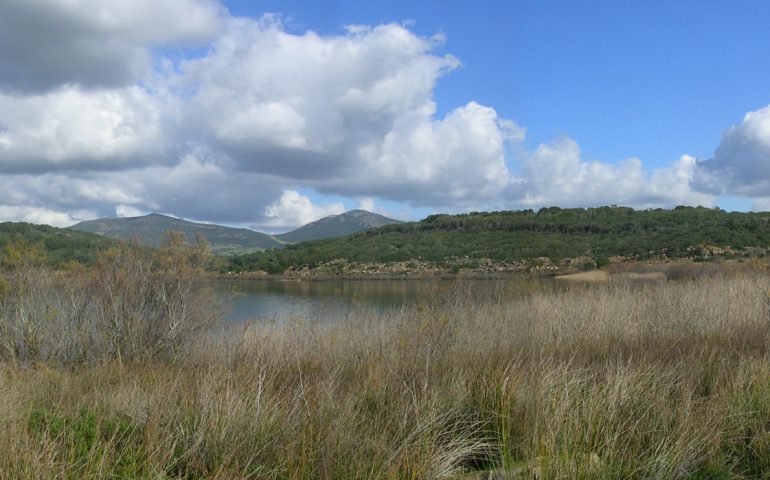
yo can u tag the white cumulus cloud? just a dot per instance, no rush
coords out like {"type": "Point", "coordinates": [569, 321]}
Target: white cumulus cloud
{"type": "Point", "coordinates": [74, 129]}
{"type": "Point", "coordinates": [294, 209]}
{"type": "Point", "coordinates": [40, 215]}
{"type": "Point", "coordinates": [555, 174]}
{"type": "Point", "coordinates": [366, 203]}
{"type": "Point", "coordinates": [351, 114]}
{"type": "Point", "coordinates": [741, 162]}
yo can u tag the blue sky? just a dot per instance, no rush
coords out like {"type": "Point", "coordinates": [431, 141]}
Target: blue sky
{"type": "Point", "coordinates": [270, 114]}
{"type": "Point", "coordinates": [651, 79]}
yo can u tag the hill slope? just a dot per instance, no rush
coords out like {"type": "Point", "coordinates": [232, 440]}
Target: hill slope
{"type": "Point", "coordinates": [151, 228]}
{"type": "Point", "coordinates": [519, 235]}
{"type": "Point", "coordinates": [337, 226]}
{"type": "Point", "coordinates": [61, 244]}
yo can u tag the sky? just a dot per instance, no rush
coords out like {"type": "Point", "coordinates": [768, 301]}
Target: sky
{"type": "Point", "coordinates": [271, 114]}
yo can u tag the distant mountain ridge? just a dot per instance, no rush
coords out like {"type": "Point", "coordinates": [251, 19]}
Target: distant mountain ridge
{"type": "Point", "coordinates": [228, 240]}
{"type": "Point", "coordinates": [340, 225]}
{"type": "Point", "coordinates": [151, 229]}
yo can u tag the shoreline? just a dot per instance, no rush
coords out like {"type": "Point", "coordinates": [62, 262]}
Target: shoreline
{"type": "Point", "coordinates": [479, 275]}
{"type": "Point", "coordinates": [567, 270]}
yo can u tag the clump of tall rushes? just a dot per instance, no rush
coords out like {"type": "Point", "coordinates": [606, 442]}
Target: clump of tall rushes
{"type": "Point", "coordinates": [626, 380]}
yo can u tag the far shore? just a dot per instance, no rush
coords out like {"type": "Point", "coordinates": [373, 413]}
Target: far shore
{"type": "Point", "coordinates": [568, 271]}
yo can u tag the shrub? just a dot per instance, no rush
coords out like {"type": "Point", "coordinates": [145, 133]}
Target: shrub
{"type": "Point", "coordinates": [132, 304]}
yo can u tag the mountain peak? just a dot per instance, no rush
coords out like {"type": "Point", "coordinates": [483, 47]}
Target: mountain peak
{"type": "Point", "coordinates": [359, 213]}
{"type": "Point", "coordinates": [346, 223]}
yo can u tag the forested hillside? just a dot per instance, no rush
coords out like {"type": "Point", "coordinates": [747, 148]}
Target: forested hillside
{"type": "Point", "coordinates": [58, 245]}
{"type": "Point", "coordinates": [553, 232]}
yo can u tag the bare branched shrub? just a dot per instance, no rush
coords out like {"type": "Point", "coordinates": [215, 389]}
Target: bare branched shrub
{"type": "Point", "coordinates": [132, 304]}
{"type": "Point", "coordinates": [23, 305]}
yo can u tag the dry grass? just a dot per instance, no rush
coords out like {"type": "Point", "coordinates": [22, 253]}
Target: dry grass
{"type": "Point", "coordinates": [623, 380]}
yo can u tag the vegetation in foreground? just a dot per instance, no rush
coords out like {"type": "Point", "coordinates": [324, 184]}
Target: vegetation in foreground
{"type": "Point", "coordinates": [595, 234]}
{"type": "Point", "coordinates": [625, 380]}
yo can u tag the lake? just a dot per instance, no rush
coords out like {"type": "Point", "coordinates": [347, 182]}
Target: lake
{"type": "Point", "coordinates": [319, 300]}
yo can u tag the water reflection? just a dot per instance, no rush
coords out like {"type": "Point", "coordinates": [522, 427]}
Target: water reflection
{"type": "Point", "coordinates": [317, 300]}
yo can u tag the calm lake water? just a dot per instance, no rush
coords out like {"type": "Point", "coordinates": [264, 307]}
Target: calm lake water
{"type": "Point", "coordinates": [317, 300]}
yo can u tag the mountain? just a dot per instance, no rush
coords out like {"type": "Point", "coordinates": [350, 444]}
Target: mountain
{"type": "Point", "coordinates": [151, 228]}
{"type": "Point", "coordinates": [61, 244]}
{"type": "Point", "coordinates": [696, 233]}
{"type": "Point", "coordinates": [341, 225]}
{"type": "Point", "coordinates": [227, 240]}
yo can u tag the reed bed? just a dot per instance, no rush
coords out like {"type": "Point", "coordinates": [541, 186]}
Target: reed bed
{"type": "Point", "coordinates": [660, 380]}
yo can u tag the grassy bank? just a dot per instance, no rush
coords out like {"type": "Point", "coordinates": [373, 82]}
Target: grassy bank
{"type": "Point", "coordinates": [624, 380]}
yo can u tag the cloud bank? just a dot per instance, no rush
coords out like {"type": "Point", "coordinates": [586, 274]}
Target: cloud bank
{"type": "Point", "coordinates": [741, 162]}
{"type": "Point", "coordinates": [555, 174]}
{"type": "Point", "coordinates": [92, 43]}
{"type": "Point", "coordinates": [107, 109]}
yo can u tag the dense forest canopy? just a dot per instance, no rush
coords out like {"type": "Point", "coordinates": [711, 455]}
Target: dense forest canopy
{"type": "Point", "coordinates": [553, 232]}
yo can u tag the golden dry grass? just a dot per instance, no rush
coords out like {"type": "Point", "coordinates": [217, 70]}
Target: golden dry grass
{"type": "Point", "coordinates": [622, 380]}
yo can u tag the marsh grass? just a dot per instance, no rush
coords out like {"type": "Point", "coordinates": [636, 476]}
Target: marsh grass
{"type": "Point", "coordinates": [624, 380]}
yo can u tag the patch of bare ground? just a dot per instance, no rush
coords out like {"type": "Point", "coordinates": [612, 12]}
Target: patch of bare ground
{"type": "Point", "coordinates": [592, 276]}
{"type": "Point", "coordinates": [602, 276]}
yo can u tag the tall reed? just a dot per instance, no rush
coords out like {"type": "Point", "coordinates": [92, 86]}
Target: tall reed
{"type": "Point", "coordinates": [624, 380]}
